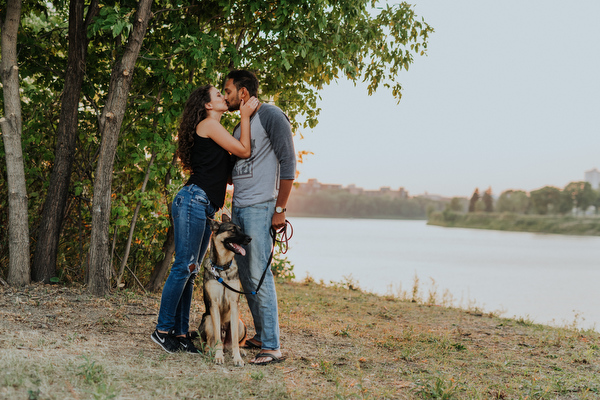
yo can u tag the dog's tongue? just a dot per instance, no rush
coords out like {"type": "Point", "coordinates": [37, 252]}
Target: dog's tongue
{"type": "Point", "coordinates": [238, 249]}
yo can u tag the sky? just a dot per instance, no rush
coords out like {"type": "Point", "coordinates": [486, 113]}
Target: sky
{"type": "Point", "coordinates": [507, 97]}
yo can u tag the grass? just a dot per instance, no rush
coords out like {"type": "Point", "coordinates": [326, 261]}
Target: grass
{"type": "Point", "coordinates": [340, 343]}
{"type": "Point", "coordinates": [558, 224]}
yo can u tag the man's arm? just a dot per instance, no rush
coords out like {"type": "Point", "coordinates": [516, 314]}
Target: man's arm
{"type": "Point", "coordinates": [285, 188]}
{"type": "Point", "coordinates": [279, 131]}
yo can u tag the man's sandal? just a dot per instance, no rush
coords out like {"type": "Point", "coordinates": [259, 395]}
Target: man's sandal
{"type": "Point", "coordinates": [273, 357]}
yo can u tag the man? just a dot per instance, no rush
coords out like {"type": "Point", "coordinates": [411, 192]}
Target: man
{"type": "Point", "coordinates": [261, 188]}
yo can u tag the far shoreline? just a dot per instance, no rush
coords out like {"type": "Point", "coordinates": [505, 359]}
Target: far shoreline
{"type": "Point", "coordinates": [546, 224]}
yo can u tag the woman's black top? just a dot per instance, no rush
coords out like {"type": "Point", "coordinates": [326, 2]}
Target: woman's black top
{"type": "Point", "coordinates": [211, 166]}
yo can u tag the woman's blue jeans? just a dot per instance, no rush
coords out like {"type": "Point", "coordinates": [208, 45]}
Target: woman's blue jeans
{"type": "Point", "coordinates": [191, 210]}
{"type": "Point", "coordinates": [255, 221]}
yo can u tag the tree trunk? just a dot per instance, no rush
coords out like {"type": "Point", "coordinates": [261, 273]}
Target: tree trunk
{"type": "Point", "coordinates": [44, 261]}
{"type": "Point", "coordinates": [11, 125]}
{"type": "Point", "coordinates": [110, 125]}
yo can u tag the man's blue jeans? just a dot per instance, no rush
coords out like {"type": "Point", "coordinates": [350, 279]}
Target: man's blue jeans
{"type": "Point", "coordinates": [191, 210]}
{"type": "Point", "coordinates": [255, 221]}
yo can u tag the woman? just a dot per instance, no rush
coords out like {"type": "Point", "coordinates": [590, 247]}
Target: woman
{"type": "Point", "coordinates": [205, 149]}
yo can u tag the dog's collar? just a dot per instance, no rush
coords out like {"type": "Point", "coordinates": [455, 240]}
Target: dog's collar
{"type": "Point", "coordinates": [219, 267]}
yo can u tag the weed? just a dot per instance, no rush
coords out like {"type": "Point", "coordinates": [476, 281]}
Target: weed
{"type": "Point", "coordinates": [104, 392]}
{"type": "Point", "coordinates": [207, 352]}
{"type": "Point", "coordinates": [347, 282]}
{"type": "Point", "coordinates": [328, 370]}
{"type": "Point", "coordinates": [33, 394]}
{"type": "Point", "coordinates": [308, 279]}
{"type": "Point", "coordinates": [440, 342]}
{"type": "Point", "coordinates": [577, 320]}
{"type": "Point", "coordinates": [415, 290]}
{"type": "Point", "coordinates": [91, 372]}
{"type": "Point", "coordinates": [408, 354]}
{"type": "Point", "coordinates": [71, 337]}
{"type": "Point", "coordinates": [390, 343]}
{"type": "Point", "coordinates": [432, 295]}
{"type": "Point", "coordinates": [447, 299]}
{"type": "Point", "coordinates": [496, 313]}
{"type": "Point", "coordinates": [343, 332]}
{"type": "Point", "coordinates": [257, 375]}
{"type": "Point", "coordinates": [439, 389]}
{"type": "Point", "coordinates": [459, 347]}
{"type": "Point", "coordinates": [560, 387]}
{"type": "Point", "coordinates": [408, 334]}
{"type": "Point", "coordinates": [396, 293]}
{"type": "Point", "coordinates": [94, 375]}
{"type": "Point", "coordinates": [525, 321]}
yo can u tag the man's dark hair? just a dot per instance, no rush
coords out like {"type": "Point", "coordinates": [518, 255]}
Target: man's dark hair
{"type": "Point", "coordinates": [244, 79]}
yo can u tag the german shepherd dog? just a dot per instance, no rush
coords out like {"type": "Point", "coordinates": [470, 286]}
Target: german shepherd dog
{"type": "Point", "coordinates": [221, 325]}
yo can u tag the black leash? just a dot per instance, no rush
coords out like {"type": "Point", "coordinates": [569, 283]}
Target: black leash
{"type": "Point", "coordinates": [284, 240]}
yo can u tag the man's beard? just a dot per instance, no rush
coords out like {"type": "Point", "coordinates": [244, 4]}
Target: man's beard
{"type": "Point", "coordinates": [231, 106]}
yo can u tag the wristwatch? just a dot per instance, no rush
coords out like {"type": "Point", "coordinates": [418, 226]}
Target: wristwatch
{"type": "Point", "coordinates": [279, 210]}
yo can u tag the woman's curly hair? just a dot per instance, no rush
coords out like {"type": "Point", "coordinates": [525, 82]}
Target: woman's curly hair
{"type": "Point", "coordinates": [193, 113]}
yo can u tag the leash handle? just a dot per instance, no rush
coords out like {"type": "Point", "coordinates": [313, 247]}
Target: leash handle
{"type": "Point", "coordinates": [285, 237]}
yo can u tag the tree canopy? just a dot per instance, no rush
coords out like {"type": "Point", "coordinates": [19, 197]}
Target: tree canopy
{"type": "Point", "coordinates": [294, 47]}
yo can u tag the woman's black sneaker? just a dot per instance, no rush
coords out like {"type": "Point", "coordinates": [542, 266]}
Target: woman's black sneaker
{"type": "Point", "coordinates": [168, 342]}
{"type": "Point", "coordinates": [187, 345]}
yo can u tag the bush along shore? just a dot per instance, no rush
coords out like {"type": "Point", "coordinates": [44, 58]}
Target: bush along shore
{"type": "Point", "coordinates": [58, 342]}
{"type": "Point", "coordinates": [565, 225]}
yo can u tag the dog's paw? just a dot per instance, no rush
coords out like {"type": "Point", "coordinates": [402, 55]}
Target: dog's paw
{"type": "Point", "coordinates": [243, 352]}
{"type": "Point", "coordinates": [238, 362]}
{"type": "Point", "coordinates": [219, 357]}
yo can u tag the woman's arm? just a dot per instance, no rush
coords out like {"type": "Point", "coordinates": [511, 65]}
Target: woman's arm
{"type": "Point", "coordinates": [214, 130]}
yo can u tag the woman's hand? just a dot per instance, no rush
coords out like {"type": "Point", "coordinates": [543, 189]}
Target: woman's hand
{"type": "Point", "coordinates": [247, 108]}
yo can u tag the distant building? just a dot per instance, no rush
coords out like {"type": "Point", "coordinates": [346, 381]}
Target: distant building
{"type": "Point", "coordinates": [386, 190]}
{"type": "Point", "coordinates": [314, 186]}
{"type": "Point", "coordinates": [593, 177]}
{"type": "Point", "coordinates": [353, 189]}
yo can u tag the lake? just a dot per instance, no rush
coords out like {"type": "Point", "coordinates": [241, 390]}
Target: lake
{"type": "Point", "coordinates": [545, 278]}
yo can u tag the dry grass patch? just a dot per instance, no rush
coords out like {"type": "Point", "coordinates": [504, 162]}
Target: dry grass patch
{"type": "Point", "coordinates": [60, 343]}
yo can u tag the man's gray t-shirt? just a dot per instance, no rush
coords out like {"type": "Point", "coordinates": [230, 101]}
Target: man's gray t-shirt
{"type": "Point", "coordinates": [256, 179]}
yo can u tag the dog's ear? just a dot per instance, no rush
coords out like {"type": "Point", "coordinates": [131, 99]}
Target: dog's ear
{"type": "Point", "coordinates": [214, 225]}
{"type": "Point", "coordinates": [225, 218]}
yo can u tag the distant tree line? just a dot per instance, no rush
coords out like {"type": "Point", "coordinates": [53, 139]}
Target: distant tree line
{"type": "Point", "coordinates": [548, 210]}
{"type": "Point", "coordinates": [340, 203]}
{"type": "Point", "coordinates": [576, 197]}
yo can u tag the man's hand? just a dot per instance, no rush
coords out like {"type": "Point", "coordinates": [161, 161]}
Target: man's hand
{"type": "Point", "coordinates": [278, 221]}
